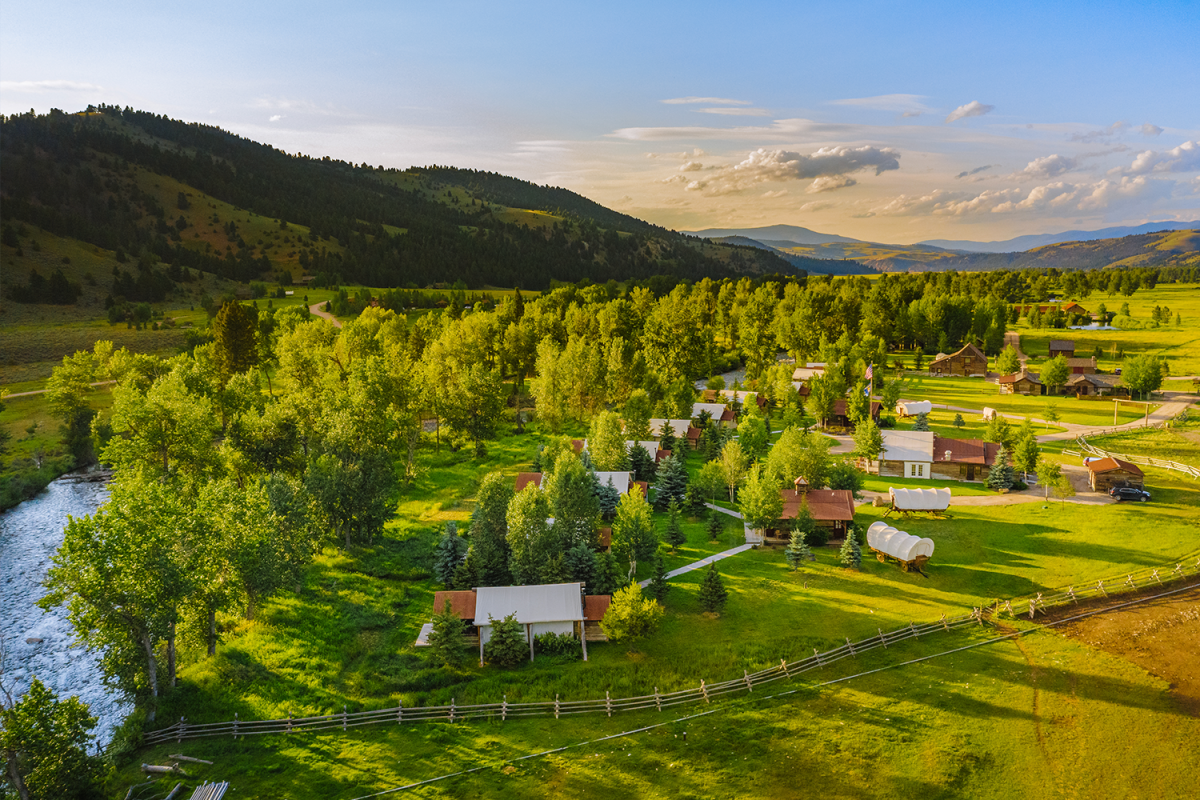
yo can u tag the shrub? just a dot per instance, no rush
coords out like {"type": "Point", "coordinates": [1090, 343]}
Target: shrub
{"type": "Point", "coordinates": [557, 644]}
{"type": "Point", "coordinates": [713, 593]}
{"type": "Point", "coordinates": [630, 616]}
{"type": "Point", "coordinates": [507, 646]}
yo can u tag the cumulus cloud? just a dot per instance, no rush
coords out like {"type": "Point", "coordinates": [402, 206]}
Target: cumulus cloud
{"type": "Point", "coordinates": [48, 86]}
{"type": "Point", "coordinates": [827, 167]}
{"type": "Point", "coordinates": [1047, 167]}
{"type": "Point", "coordinates": [909, 105]}
{"type": "Point", "coordinates": [829, 184]}
{"type": "Point", "coordinates": [1150, 129]}
{"type": "Point", "coordinates": [275, 118]}
{"type": "Point", "coordinates": [1057, 196]}
{"type": "Point", "coordinates": [971, 109]}
{"type": "Point", "coordinates": [976, 171]}
{"type": "Point", "coordinates": [1184, 158]}
{"type": "Point", "coordinates": [734, 112]}
{"type": "Point", "coordinates": [776, 193]}
{"type": "Point", "coordinates": [1095, 136]}
{"type": "Point", "coordinates": [708, 101]}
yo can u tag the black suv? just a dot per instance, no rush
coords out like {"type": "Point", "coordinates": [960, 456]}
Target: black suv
{"type": "Point", "coordinates": [1128, 493]}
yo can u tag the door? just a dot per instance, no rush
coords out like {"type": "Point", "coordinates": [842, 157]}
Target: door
{"type": "Point", "coordinates": [970, 472]}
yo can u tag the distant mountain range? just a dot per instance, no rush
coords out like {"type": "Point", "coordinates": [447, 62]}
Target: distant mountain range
{"type": "Point", "coordinates": [1022, 243]}
{"type": "Point", "coordinates": [792, 234]}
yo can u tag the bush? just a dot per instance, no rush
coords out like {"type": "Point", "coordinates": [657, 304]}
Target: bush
{"type": "Point", "coordinates": [557, 644]}
{"type": "Point", "coordinates": [819, 537]}
{"type": "Point", "coordinates": [507, 646]}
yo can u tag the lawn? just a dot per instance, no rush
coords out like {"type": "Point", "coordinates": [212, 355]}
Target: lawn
{"type": "Point", "coordinates": [975, 393]}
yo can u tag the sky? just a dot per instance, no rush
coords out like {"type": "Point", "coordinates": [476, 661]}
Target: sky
{"type": "Point", "coordinates": [886, 121]}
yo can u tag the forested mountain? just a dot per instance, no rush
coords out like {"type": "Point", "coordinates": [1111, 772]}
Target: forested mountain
{"type": "Point", "coordinates": [195, 196]}
{"type": "Point", "coordinates": [1030, 241]}
{"type": "Point", "coordinates": [1161, 249]}
{"type": "Point", "coordinates": [820, 266]}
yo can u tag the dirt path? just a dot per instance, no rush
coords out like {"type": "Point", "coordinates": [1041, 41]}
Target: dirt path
{"type": "Point", "coordinates": [43, 391]}
{"type": "Point", "coordinates": [1161, 636]}
{"type": "Point", "coordinates": [1014, 339]}
{"type": "Point", "coordinates": [319, 310]}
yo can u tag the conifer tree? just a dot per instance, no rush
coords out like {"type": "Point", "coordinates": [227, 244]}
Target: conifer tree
{"type": "Point", "coordinates": [1001, 474]}
{"type": "Point", "coordinates": [959, 422]}
{"type": "Point", "coordinates": [797, 551]}
{"type": "Point", "coordinates": [446, 638]}
{"type": "Point", "coordinates": [851, 552]}
{"type": "Point", "coordinates": [607, 498]}
{"type": "Point", "coordinates": [713, 593]}
{"type": "Point", "coordinates": [640, 463]}
{"type": "Point", "coordinates": [609, 577]}
{"type": "Point", "coordinates": [672, 483]}
{"type": "Point", "coordinates": [674, 534]}
{"type": "Point", "coordinates": [658, 586]}
{"type": "Point", "coordinates": [554, 570]}
{"type": "Point", "coordinates": [581, 564]}
{"type": "Point", "coordinates": [715, 525]}
{"type": "Point", "coordinates": [922, 423]}
{"type": "Point", "coordinates": [451, 550]}
{"type": "Point", "coordinates": [507, 646]}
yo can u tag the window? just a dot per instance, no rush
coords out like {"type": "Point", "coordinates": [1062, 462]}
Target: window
{"type": "Point", "coordinates": [916, 470]}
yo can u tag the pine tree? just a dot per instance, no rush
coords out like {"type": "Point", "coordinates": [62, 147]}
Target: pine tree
{"type": "Point", "coordinates": [451, 550]}
{"type": "Point", "coordinates": [674, 534]}
{"type": "Point", "coordinates": [641, 464]}
{"type": "Point", "coordinates": [554, 570]}
{"type": "Point", "coordinates": [797, 551]}
{"type": "Point", "coordinates": [489, 530]}
{"type": "Point", "coordinates": [922, 423]}
{"type": "Point", "coordinates": [694, 500]}
{"type": "Point", "coordinates": [959, 422]}
{"type": "Point", "coordinates": [667, 441]}
{"type": "Point", "coordinates": [507, 646]}
{"type": "Point", "coordinates": [658, 586]}
{"type": "Point", "coordinates": [466, 576]}
{"type": "Point", "coordinates": [851, 552]}
{"type": "Point", "coordinates": [1000, 476]}
{"type": "Point", "coordinates": [446, 638]}
{"type": "Point", "coordinates": [715, 525]}
{"type": "Point", "coordinates": [609, 576]}
{"type": "Point", "coordinates": [712, 590]}
{"type": "Point", "coordinates": [672, 483]}
{"type": "Point", "coordinates": [581, 564]}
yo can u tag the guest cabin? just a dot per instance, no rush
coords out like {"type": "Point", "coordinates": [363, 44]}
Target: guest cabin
{"type": "Point", "coordinates": [969, 360]}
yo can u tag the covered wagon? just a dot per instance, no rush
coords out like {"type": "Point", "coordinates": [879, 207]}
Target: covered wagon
{"type": "Point", "coordinates": [989, 414]}
{"type": "Point", "coordinates": [910, 408]}
{"type": "Point", "coordinates": [886, 542]}
{"type": "Point", "coordinates": [906, 501]}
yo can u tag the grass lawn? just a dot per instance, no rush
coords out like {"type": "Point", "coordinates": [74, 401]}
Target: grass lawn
{"type": "Point", "coordinates": [975, 393]}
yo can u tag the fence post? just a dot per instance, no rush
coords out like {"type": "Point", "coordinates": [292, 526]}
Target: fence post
{"type": "Point", "coordinates": [882, 641]}
{"type": "Point", "coordinates": [746, 678]}
{"type": "Point", "coordinates": [556, 705]}
{"type": "Point", "coordinates": [1071, 594]}
{"type": "Point", "coordinates": [657, 699]}
{"type": "Point", "coordinates": [913, 627]}
{"type": "Point", "coordinates": [400, 713]}
{"type": "Point", "coordinates": [1156, 576]}
{"type": "Point", "coordinates": [1100, 586]}
{"type": "Point", "coordinates": [235, 724]}
{"type": "Point", "coordinates": [607, 702]}
{"type": "Point", "coordinates": [1129, 582]}
{"type": "Point", "coordinates": [343, 717]}
{"type": "Point", "coordinates": [1008, 607]}
{"type": "Point", "coordinates": [289, 722]}
{"type": "Point", "coordinates": [704, 691]}
{"type": "Point", "coordinates": [504, 709]}
{"type": "Point", "coordinates": [851, 647]}
{"type": "Point", "coordinates": [179, 733]}
{"type": "Point", "coordinates": [452, 709]}
{"type": "Point", "coordinates": [818, 657]}
{"type": "Point", "coordinates": [1031, 609]}
{"type": "Point", "coordinates": [947, 627]}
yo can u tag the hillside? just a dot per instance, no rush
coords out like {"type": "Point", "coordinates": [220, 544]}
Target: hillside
{"type": "Point", "coordinates": [794, 256]}
{"type": "Point", "coordinates": [194, 197]}
{"type": "Point", "coordinates": [1161, 249]}
{"type": "Point", "coordinates": [1030, 241]}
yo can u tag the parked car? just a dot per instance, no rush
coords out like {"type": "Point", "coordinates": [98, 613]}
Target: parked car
{"type": "Point", "coordinates": [1129, 493]}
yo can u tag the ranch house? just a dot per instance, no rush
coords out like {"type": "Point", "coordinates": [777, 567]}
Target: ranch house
{"type": "Point", "coordinates": [830, 508]}
{"type": "Point", "coordinates": [968, 360]}
{"type": "Point", "coordinates": [1105, 473]}
{"type": "Point", "coordinates": [1088, 385]}
{"type": "Point", "coordinates": [1020, 383]}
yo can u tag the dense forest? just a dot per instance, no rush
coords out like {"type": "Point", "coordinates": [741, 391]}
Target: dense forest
{"type": "Point", "coordinates": [84, 176]}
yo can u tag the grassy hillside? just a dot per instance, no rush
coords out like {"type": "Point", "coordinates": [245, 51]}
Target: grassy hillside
{"type": "Point", "coordinates": [1161, 249]}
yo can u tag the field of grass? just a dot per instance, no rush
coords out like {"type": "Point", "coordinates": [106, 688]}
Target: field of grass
{"type": "Point", "coordinates": [1180, 442]}
{"type": "Point", "coordinates": [975, 393]}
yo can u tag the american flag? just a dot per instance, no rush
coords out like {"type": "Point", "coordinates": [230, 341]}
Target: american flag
{"type": "Point", "coordinates": [870, 371]}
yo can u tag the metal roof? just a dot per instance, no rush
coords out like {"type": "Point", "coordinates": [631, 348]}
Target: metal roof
{"type": "Point", "coordinates": [555, 602]}
{"type": "Point", "coordinates": [619, 480]}
{"type": "Point", "coordinates": [679, 427]}
{"type": "Point", "coordinates": [907, 446]}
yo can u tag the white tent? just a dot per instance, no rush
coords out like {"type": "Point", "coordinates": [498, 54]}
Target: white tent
{"type": "Point", "coordinates": [898, 544]}
{"type": "Point", "coordinates": [649, 447]}
{"type": "Point", "coordinates": [920, 499]}
{"type": "Point", "coordinates": [910, 408]}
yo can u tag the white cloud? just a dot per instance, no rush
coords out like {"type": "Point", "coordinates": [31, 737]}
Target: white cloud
{"type": "Point", "coordinates": [710, 101]}
{"type": "Point", "coordinates": [828, 167]}
{"type": "Point", "coordinates": [779, 129]}
{"type": "Point", "coordinates": [971, 109]}
{"type": "Point", "coordinates": [909, 104]}
{"type": "Point", "coordinates": [48, 86]}
{"type": "Point", "coordinates": [1047, 167]}
{"type": "Point", "coordinates": [1093, 136]}
{"type": "Point", "coordinates": [817, 205]}
{"type": "Point", "coordinates": [1150, 129]}
{"type": "Point", "coordinates": [829, 184]}
{"type": "Point", "coordinates": [776, 193]}
{"type": "Point", "coordinates": [734, 112]}
{"type": "Point", "coordinates": [275, 118]}
{"type": "Point", "coordinates": [1060, 197]}
{"type": "Point", "coordinates": [1184, 158]}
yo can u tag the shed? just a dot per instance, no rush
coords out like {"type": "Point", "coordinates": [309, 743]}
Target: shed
{"type": "Point", "coordinates": [1105, 473]}
{"type": "Point", "coordinates": [1022, 382]}
{"type": "Point", "coordinates": [910, 408]}
{"type": "Point", "coordinates": [1062, 347]}
{"type": "Point", "coordinates": [550, 608]}
{"type": "Point", "coordinates": [1082, 366]}
{"type": "Point", "coordinates": [717, 412]}
{"type": "Point", "coordinates": [595, 606]}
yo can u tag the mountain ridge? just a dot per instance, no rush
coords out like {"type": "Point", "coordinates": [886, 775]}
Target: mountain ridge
{"type": "Point", "coordinates": [1020, 244]}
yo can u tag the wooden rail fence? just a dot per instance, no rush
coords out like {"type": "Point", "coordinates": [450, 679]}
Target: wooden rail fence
{"type": "Point", "coordinates": [704, 693]}
{"type": "Point", "coordinates": [1133, 458]}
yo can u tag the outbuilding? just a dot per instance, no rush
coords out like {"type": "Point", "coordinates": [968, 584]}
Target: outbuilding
{"type": "Point", "coordinates": [1105, 473]}
{"type": "Point", "coordinates": [1022, 382]}
{"type": "Point", "coordinates": [966, 361]}
{"type": "Point", "coordinates": [549, 608]}
{"type": "Point", "coordinates": [1062, 347]}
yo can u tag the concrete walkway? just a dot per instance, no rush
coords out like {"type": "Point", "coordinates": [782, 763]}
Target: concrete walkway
{"type": "Point", "coordinates": [319, 310]}
{"type": "Point", "coordinates": [704, 562]}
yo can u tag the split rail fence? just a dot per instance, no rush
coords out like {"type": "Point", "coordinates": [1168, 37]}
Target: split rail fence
{"type": "Point", "coordinates": [704, 693]}
{"type": "Point", "coordinates": [1133, 458]}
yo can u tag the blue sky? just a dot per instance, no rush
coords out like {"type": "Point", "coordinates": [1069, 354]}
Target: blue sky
{"type": "Point", "coordinates": [854, 118]}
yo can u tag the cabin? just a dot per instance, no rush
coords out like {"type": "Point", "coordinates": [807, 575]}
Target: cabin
{"type": "Point", "coordinates": [717, 412]}
{"type": "Point", "coordinates": [651, 448]}
{"type": "Point", "coordinates": [830, 508]}
{"type": "Point", "coordinates": [526, 478]}
{"type": "Point", "coordinates": [1094, 385]}
{"type": "Point", "coordinates": [1062, 347]}
{"type": "Point", "coordinates": [621, 481]}
{"type": "Point", "coordinates": [661, 455]}
{"type": "Point", "coordinates": [839, 417]}
{"type": "Point", "coordinates": [906, 454]}
{"type": "Point", "coordinates": [595, 606]}
{"type": "Point", "coordinates": [682, 429]}
{"type": "Point", "coordinates": [924, 454]}
{"type": "Point", "coordinates": [966, 361]}
{"type": "Point", "coordinates": [1021, 383]}
{"type": "Point", "coordinates": [809, 370]}
{"type": "Point", "coordinates": [1075, 308]}
{"type": "Point", "coordinates": [1082, 366]}
{"type": "Point", "coordinates": [962, 459]}
{"type": "Point", "coordinates": [1105, 473]}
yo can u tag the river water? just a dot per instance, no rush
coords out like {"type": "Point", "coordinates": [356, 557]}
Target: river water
{"type": "Point", "coordinates": [29, 536]}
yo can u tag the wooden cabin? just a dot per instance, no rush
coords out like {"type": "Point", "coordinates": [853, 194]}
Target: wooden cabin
{"type": "Point", "coordinates": [830, 508]}
{"type": "Point", "coordinates": [1062, 347]}
{"type": "Point", "coordinates": [1021, 383]}
{"type": "Point", "coordinates": [968, 360]}
{"type": "Point", "coordinates": [1105, 473]}
{"type": "Point", "coordinates": [1082, 366]}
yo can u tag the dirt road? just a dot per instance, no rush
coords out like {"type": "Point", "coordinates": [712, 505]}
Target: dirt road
{"type": "Point", "coordinates": [319, 310]}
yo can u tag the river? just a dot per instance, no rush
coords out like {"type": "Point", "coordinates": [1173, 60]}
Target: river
{"type": "Point", "coordinates": [29, 536]}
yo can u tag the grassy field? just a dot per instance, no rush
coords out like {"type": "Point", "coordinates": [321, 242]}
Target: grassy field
{"type": "Point", "coordinates": [975, 393]}
{"type": "Point", "coordinates": [1177, 443]}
